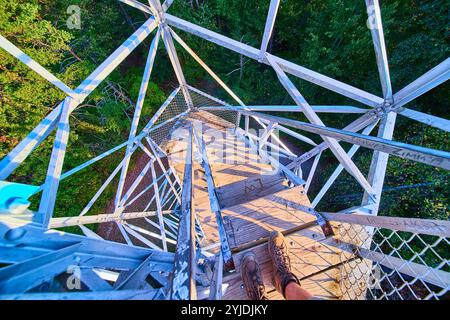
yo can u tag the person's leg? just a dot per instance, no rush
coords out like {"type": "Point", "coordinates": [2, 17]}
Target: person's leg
{"type": "Point", "coordinates": [251, 276]}
{"type": "Point", "coordinates": [293, 291]}
{"type": "Point", "coordinates": [284, 280]}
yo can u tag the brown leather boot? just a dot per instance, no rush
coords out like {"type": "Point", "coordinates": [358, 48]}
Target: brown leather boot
{"type": "Point", "coordinates": [251, 276]}
{"type": "Point", "coordinates": [281, 263]}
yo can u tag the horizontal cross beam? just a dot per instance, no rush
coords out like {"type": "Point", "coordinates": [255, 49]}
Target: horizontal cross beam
{"type": "Point", "coordinates": [429, 156]}
{"type": "Point", "coordinates": [99, 218]}
{"type": "Point", "coordinates": [294, 108]}
{"type": "Point", "coordinates": [440, 228]}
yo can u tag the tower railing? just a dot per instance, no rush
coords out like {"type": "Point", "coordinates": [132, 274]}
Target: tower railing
{"type": "Point", "coordinates": [382, 257]}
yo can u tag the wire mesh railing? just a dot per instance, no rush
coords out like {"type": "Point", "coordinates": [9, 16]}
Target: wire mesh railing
{"type": "Point", "coordinates": [393, 265]}
{"type": "Point", "coordinates": [162, 127]}
{"type": "Point", "coordinates": [203, 100]}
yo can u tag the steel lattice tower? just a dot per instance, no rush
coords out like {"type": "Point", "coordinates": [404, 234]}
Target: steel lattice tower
{"type": "Point", "coordinates": [170, 249]}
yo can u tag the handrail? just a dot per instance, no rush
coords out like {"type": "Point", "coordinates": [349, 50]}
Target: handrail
{"type": "Point", "coordinates": [183, 283]}
{"type": "Point", "coordinates": [429, 156]}
{"type": "Point", "coordinates": [214, 202]}
{"type": "Point", "coordinates": [440, 228]}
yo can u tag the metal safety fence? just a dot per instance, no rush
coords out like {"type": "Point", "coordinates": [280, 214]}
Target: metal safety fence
{"type": "Point", "coordinates": [391, 264]}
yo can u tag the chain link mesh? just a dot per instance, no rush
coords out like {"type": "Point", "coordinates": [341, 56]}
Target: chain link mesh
{"type": "Point", "coordinates": [382, 264]}
{"type": "Point", "coordinates": [200, 100]}
{"type": "Point", "coordinates": [177, 106]}
{"type": "Point", "coordinates": [393, 265]}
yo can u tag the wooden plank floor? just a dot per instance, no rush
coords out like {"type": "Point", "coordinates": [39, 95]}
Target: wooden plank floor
{"type": "Point", "coordinates": [255, 200]}
{"type": "Point", "coordinates": [251, 221]}
{"type": "Point", "coordinates": [229, 168]}
{"type": "Point", "coordinates": [314, 262]}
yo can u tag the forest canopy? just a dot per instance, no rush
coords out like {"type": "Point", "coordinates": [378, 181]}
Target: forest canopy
{"type": "Point", "coordinates": [327, 36]}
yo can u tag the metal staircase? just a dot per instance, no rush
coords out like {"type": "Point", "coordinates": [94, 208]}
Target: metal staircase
{"type": "Point", "coordinates": [216, 179]}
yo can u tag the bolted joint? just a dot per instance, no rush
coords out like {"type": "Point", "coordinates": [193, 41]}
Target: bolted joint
{"type": "Point", "coordinates": [77, 98]}
{"type": "Point", "coordinates": [262, 58]}
{"type": "Point", "coordinates": [159, 17]}
{"type": "Point", "coordinates": [162, 17]}
{"type": "Point", "coordinates": [384, 108]}
{"type": "Point", "coordinates": [381, 110]}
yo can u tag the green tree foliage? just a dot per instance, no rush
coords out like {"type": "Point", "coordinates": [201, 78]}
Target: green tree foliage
{"type": "Point", "coordinates": [101, 122]}
{"type": "Point", "coordinates": [328, 36]}
{"type": "Point", "coordinates": [24, 96]}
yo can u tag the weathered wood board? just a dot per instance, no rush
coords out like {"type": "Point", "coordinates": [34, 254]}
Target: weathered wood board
{"type": "Point", "coordinates": [255, 219]}
{"type": "Point", "coordinates": [256, 200]}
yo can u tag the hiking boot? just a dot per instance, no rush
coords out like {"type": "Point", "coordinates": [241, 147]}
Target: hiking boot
{"type": "Point", "coordinates": [251, 276]}
{"type": "Point", "coordinates": [281, 263]}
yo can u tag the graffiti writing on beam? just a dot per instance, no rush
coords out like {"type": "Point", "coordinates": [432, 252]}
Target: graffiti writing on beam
{"type": "Point", "coordinates": [404, 153]}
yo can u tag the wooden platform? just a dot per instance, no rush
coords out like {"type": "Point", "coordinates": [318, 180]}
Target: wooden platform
{"type": "Point", "coordinates": [256, 200]}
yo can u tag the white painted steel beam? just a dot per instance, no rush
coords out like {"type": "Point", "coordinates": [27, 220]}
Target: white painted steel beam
{"type": "Point", "coordinates": [126, 229]}
{"type": "Point", "coordinates": [54, 170]}
{"type": "Point", "coordinates": [89, 233]}
{"type": "Point", "coordinates": [289, 67]}
{"type": "Point", "coordinates": [137, 113]}
{"type": "Point", "coordinates": [23, 276]}
{"type": "Point", "coordinates": [215, 288]}
{"type": "Point", "coordinates": [105, 184]}
{"type": "Point", "coordinates": [122, 230]}
{"type": "Point", "coordinates": [159, 208]}
{"type": "Point", "coordinates": [213, 199]}
{"type": "Point", "coordinates": [378, 166]}
{"type": "Point", "coordinates": [265, 155]}
{"type": "Point", "coordinates": [360, 123]}
{"type": "Point", "coordinates": [205, 66]}
{"type": "Point", "coordinates": [166, 172]}
{"type": "Point", "coordinates": [138, 5]}
{"type": "Point", "coordinates": [379, 163]}
{"type": "Point", "coordinates": [171, 51]}
{"type": "Point", "coordinates": [376, 29]}
{"type": "Point", "coordinates": [221, 83]}
{"type": "Point", "coordinates": [147, 9]}
{"type": "Point", "coordinates": [183, 281]}
{"type": "Point", "coordinates": [337, 150]}
{"type": "Point", "coordinates": [99, 253]}
{"type": "Point", "coordinates": [89, 295]}
{"type": "Point", "coordinates": [339, 169]}
{"type": "Point", "coordinates": [295, 108]}
{"type": "Point", "coordinates": [99, 218]}
{"type": "Point", "coordinates": [166, 5]}
{"type": "Point", "coordinates": [436, 158]}
{"type": "Point", "coordinates": [425, 118]}
{"type": "Point", "coordinates": [312, 172]}
{"type": "Point", "coordinates": [268, 29]}
{"type": "Point", "coordinates": [423, 84]}
{"type": "Point", "coordinates": [135, 183]}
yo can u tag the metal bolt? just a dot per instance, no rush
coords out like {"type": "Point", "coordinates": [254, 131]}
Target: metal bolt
{"type": "Point", "coordinates": [15, 234]}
